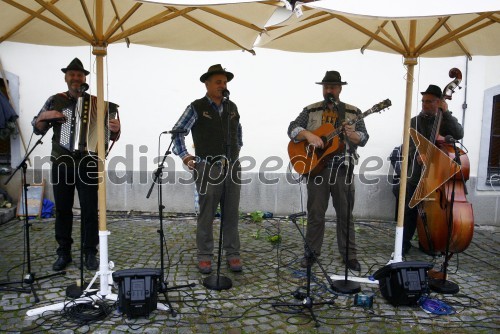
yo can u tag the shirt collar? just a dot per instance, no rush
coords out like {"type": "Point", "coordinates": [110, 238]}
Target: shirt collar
{"type": "Point", "coordinates": [426, 116]}
{"type": "Point", "coordinates": [325, 106]}
{"type": "Point", "coordinates": [214, 105]}
{"type": "Point", "coordinates": [72, 97]}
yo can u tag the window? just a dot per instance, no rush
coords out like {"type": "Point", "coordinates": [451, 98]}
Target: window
{"type": "Point", "coordinates": [10, 146]}
{"type": "Point", "coordinates": [4, 141]}
{"type": "Point", "coordinates": [493, 173]}
{"type": "Point", "coordinates": [488, 173]}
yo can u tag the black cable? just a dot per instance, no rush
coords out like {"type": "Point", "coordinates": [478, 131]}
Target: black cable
{"type": "Point", "coordinates": [86, 313]}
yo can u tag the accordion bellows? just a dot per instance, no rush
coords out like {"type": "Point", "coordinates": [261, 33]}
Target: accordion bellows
{"type": "Point", "coordinates": [79, 133]}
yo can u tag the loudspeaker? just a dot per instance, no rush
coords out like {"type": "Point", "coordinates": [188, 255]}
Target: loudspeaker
{"type": "Point", "coordinates": [137, 291]}
{"type": "Point", "coordinates": [403, 283]}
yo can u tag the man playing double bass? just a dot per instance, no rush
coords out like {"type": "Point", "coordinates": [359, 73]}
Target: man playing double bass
{"type": "Point", "coordinates": [432, 101]}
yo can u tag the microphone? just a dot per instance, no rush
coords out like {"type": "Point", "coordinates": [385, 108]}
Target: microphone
{"type": "Point", "coordinates": [449, 139]}
{"type": "Point", "coordinates": [295, 215]}
{"type": "Point", "coordinates": [175, 131]}
{"type": "Point", "coordinates": [330, 98]}
{"type": "Point", "coordinates": [83, 88]}
{"type": "Point", "coordinates": [225, 93]}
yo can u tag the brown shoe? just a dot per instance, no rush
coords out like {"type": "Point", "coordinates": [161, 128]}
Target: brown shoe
{"type": "Point", "coordinates": [205, 267]}
{"type": "Point", "coordinates": [235, 264]}
{"type": "Point", "coordinates": [353, 264]}
{"type": "Point", "coordinates": [307, 261]}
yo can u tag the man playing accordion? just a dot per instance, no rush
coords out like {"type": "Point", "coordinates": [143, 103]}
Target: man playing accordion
{"type": "Point", "coordinates": [74, 161]}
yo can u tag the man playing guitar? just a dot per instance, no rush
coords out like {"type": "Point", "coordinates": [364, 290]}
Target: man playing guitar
{"type": "Point", "coordinates": [329, 176]}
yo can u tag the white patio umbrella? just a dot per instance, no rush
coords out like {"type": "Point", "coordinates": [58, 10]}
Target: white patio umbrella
{"type": "Point", "coordinates": [412, 29]}
{"type": "Point", "coordinates": [185, 25]}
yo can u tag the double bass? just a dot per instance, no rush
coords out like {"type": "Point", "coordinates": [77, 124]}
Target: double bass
{"type": "Point", "coordinates": [445, 222]}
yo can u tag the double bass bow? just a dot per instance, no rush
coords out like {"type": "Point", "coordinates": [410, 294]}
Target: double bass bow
{"type": "Point", "coordinates": [445, 222]}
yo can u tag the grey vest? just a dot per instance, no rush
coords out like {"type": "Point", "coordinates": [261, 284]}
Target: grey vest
{"type": "Point", "coordinates": [345, 111]}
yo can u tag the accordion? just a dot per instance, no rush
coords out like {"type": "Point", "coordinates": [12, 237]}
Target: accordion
{"type": "Point", "coordinates": [79, 132]}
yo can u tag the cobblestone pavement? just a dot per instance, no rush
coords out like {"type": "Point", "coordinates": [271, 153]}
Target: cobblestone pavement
{"type": "Point", "coordinates": [272, 276]}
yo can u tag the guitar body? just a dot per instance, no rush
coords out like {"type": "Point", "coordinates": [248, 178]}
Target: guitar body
{"type": "Point", "coordinates": [307, 159]}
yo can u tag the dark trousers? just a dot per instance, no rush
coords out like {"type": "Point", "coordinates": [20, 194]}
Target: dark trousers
{"type": "Point", "coordinates": [66, 177]}
{"type": "Point", "coordinates": [212, 186]}
{"type": "Point", "coordinates": [330, 182]}
{"type": "Point", "coordinates": [410, 216]}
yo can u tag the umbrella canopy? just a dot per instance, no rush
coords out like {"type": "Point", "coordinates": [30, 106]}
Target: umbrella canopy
{"type": "Point", "coordinates": [412, 29]}
{"type": "Point", "coordinates": [185, 25]}
{"type": "Point", "coordinates": [231, 25]}
{"type": "Point", "coordinates": [438, 29]}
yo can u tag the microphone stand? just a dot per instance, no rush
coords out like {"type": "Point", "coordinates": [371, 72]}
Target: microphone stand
{"type": "Point", "coordinates": [437, 284]}
{"type": "Point", "coordinates": [218, 282]}
{"type": "Point", "coordinates": [30, 277]}
{"type": "Point", "coordinates": [76, 290]}
{"type": "Point", "coordinates": [307, 300]}
{"type": "Point", "coordinates": [158, 180]}
{"type": "Point", "coordinates": [347, 286]}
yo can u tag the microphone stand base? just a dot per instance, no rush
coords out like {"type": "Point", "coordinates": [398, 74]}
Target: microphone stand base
{"type": "Point", "coordinates": [75, 291]}
{"type": "Point", "coordinates": [346, 286]}
{"type": "Point", "coordinates": [218, 283]}
{"type": "Point", "coordinates": [443, 286]}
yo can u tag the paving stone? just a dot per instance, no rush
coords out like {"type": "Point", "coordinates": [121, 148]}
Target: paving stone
{"type": "Point", "coordinates": [271, 275]}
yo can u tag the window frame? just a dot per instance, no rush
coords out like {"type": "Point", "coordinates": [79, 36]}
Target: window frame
{"type": "Point", "coordinates": [484, 172]}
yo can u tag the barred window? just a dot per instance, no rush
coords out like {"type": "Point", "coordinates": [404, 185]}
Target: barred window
{"type": "Point", "coordinates": [493, 174]}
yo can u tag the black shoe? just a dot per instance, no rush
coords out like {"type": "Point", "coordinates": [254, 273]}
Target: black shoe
{"type": "Point", "coordinates": [353, 264]}
{"type": "Point", "coordinates": [61, 262]}
{"type": "Point", "coordinates": [91, 262]}
{"type": "Point", "coordinates": [406, 248]}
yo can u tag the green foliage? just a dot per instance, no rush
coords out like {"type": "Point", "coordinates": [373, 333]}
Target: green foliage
{"type": "Point", "coordinates": [257, 216]}
{"type": "Point", "coordinates": [256, 234]}
{"type": "Point", "coordinates": [274, 239]}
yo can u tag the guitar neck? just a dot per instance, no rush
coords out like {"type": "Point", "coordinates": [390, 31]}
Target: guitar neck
{"type": "Point", "coordinates": [352, 121]}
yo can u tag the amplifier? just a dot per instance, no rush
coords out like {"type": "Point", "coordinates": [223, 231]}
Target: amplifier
{"type": "Point", "coordinates": [403, 283]}
{"type": "Point", "coordinates": [137, 291]}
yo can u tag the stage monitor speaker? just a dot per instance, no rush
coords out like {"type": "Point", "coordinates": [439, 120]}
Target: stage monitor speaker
{"type": "Point", "coordinates": [403, 283]}
{"type": "Point", "coordinates": [137, 291]}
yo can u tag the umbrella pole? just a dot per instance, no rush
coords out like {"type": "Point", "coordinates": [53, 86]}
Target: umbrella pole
{"type": "Point", "coordinates": [104, 270]}
{"type": "Point", "coordinates": [398, 245]}
{"type": "Point", "coordinates": [100, 53]}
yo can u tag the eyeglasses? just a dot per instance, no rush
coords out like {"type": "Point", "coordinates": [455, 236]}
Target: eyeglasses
{"type": "Point", "coordinates": [429, 101]}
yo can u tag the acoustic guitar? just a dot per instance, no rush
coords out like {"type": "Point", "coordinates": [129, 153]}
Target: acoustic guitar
{"type": "Point", "coordinates": [309, 160]}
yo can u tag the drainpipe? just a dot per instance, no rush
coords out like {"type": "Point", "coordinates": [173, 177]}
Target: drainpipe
{"type": "Point", "coordinates": [464, 105]}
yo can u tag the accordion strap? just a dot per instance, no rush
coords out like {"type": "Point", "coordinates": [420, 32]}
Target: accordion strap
{"type": "Point", "coordinates": [115, 139]}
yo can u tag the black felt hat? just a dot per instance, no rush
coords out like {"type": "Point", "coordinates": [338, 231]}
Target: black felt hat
{"type": "Point", "coordinates": [75, 65]}
{"type": "Point", "coordinates": [433, 90]}
{"type": "Point", "coordinates": [332, 78]}
{"type": "Point", "coordinates": [216, 69]}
